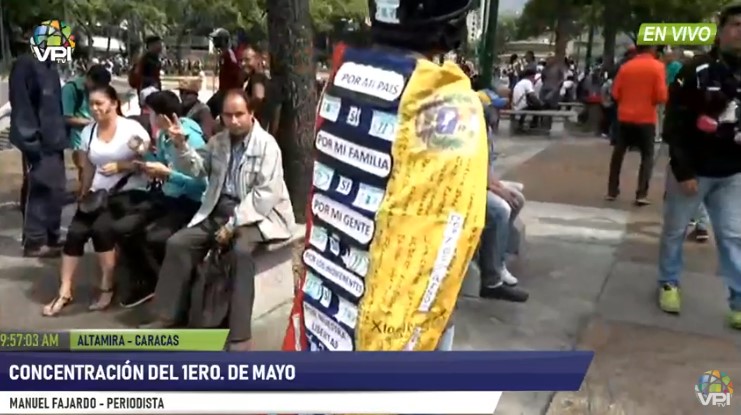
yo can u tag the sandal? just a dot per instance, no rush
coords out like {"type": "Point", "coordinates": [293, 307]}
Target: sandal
{"type": "Point", "coordinates": [56, 306]}
{"type": "Point", "coordinates": [99, 305]}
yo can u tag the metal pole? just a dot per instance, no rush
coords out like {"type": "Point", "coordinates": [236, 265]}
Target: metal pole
{"type": "Point", "coordinates": [488, 45]}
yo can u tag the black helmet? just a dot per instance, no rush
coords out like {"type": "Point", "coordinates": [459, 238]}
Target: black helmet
{"type": "Point", "coordinates": [421, 25]}
{"type": "Point", "coordinates": [220, 38]}
{"type": "Point", "coordinates": [220, 33]}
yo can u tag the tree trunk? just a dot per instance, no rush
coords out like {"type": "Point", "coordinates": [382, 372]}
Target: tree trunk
{"type": "Point", "coordinates": [609, 33]}
{"type": "Point", "coordinates": [89, 34]}
{"type": "Point", "coordinates": [108, 46]}
{"type": "Point", "coordinates": [179, 50]}
{"type": "Point", "coordinates": [293, 73]}
{"type": "Point", "coordinates": [563, 29]}
{"type": "Point", "coordinates": [4, 43]}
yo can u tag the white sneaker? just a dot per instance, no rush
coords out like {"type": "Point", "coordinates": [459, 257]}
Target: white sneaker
{"type": "Point", "coordinates": [508, 278]}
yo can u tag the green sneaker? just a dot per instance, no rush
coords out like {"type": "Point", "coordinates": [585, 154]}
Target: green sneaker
{"type": "Point", "coordinates": [669, 299]}
{"type": "Point", "coordinates": [734, 319]}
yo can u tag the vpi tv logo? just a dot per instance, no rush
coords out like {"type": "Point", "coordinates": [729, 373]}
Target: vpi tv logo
{"type": "Point", "coordinates": [714, 388]}
{"type": "Point", "coordinates": [52, 40]}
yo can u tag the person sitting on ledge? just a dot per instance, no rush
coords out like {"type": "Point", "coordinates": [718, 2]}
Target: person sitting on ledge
{"type": "Point", "coordinates": [246, 202]}
{"type": "Point", "coordinates": [503, 203]}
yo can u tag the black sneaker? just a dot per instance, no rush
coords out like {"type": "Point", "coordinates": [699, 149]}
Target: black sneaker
{"type": "Point", "coordinates": [138, 295]}
{"type": "Point", "coordinates": [506, 293]}
{"type": "Point", "coordinates": [701, 235]}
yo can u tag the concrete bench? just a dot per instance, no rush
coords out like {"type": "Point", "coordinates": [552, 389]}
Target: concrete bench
{"type": "Point", "coordinates": [274, 281]}
{"type": "Point", "coordinates": [558, 118]}
{"type": "Point", "coordinates": [515, 249]}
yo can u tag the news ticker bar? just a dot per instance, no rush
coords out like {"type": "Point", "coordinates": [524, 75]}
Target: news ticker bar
{"type": "Point", "coordinates": [151, 403]}
{"type": "Point", "coordinates": [298, 372]}
{"type": "Point", "coordinates": [113, 340]}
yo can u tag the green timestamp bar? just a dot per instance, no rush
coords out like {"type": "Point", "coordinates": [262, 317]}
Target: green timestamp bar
{"type": "Point", "coordinates": [115, 340]}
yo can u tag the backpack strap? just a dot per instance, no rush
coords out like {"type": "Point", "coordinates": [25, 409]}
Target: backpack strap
{"type": "Point", "coordinates": [92, 135]}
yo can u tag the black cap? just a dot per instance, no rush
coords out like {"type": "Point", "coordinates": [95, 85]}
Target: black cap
{"type": "Point", "coordinates": [416, 12]}
{"type": "Point", "coordinates": [729, 10]}
{"type": "Point", "coordinates": [419, 24]}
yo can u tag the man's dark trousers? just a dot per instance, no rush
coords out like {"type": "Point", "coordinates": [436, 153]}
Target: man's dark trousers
{"type": "Point", "coordinates": [42, 198]}
{"type": "Point", "coordinates": [632, 135]}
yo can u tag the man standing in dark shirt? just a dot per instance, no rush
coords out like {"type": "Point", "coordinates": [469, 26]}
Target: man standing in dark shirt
{"type": "Point", "coordinates": [151, 64]}
{"type": "Point", "coordinates": [703, 130]}
{"type": "Point", "coordinates": [256, 81]}
{"type": "Point", "coordinates": [37, 129]}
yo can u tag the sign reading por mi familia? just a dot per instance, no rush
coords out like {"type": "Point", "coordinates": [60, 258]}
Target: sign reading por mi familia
{"type": "Point", "coordinates": [676, 34]}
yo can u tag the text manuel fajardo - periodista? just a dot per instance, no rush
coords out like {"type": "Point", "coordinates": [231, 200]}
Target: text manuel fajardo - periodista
{"type": "Point", "coordinates": [129, 371]}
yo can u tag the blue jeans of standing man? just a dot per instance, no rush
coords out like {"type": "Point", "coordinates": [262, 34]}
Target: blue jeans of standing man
{"type": "Point", "coordinates": [722, 199]}
{"type": "Point", "coordinates": [495, 237]}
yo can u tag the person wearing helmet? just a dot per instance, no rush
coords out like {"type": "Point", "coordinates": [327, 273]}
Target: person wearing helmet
{"type": "Point", "coordinates": [398, 201]}
{"type": "Point", "coordinates": [703, 130]}
{"type": "Point", "coordinates": [230, 69]}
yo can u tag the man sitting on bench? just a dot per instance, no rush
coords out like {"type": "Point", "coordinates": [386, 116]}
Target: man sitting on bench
{"type": "Point", "coordinates": [503, 203]}
{"type": "Point", "coordinates": [246, 201]}
{"type": "Point", "coordinates": [524, 96]}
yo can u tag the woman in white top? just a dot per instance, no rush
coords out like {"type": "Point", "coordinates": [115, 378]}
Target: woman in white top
{"type": "Point", "coordinates": [109, 146]}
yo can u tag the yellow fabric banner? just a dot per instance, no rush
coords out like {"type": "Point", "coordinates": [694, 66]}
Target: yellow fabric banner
{"type": "Point", "coordinates": [429, 223]}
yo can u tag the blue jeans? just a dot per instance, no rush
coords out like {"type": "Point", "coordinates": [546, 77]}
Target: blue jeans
{"type": "Point", "coordinates": [721, 197]}
{"type": "Point", "coordinates": [495, 237]}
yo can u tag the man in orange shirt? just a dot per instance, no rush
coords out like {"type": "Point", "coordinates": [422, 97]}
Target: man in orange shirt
{"type": "Point", "coordinates": [640, 87]}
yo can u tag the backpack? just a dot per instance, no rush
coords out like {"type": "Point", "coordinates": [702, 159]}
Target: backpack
{"type": "Point", "coordinates": [135, 76]}
{"type": "Point", "coordinates": [211, 292]}
{"type": "Point", "coordinates": [79, 99]}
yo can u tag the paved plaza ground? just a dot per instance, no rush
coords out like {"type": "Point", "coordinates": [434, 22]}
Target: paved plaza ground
{"type": "Point", "coordinates": [589, 265]}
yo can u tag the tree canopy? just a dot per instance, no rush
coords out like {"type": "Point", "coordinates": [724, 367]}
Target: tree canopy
{"type": "Point", "coordinates": [176, 17]}
{"type": "Point", "coordinates": [541, 15]}
{"type": "Point", "coordinates": [568, 18]}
